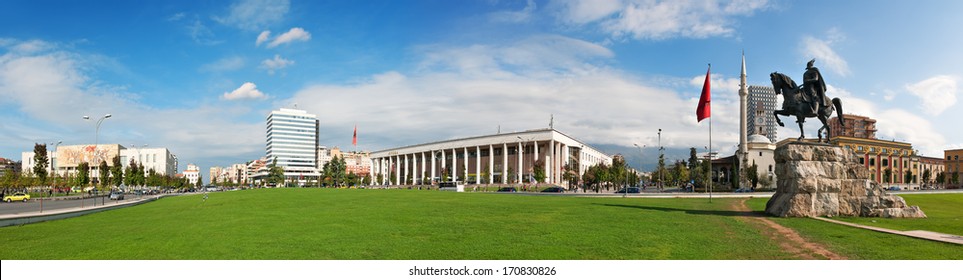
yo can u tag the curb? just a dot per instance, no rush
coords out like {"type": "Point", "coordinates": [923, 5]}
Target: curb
{"type": "Point", "coordinates": [36, 217]}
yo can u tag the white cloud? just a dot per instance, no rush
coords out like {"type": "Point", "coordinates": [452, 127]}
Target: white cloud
{"type": "Point", "coordinates": [176, 17]}
{"type": "Point", "coordinates": [936, 94]}
{"type": "Point", "coordinates": [247, 91]}
{"type": "Point", "coordinates": [515, 16]}
{"type": "Point", "coordinates": [225, 64]}
{"type": "Point", "coordinates": [255, 15]}
{"type": "Point", "coordinates": [892, 124]}
{"type": "Point", "coordinates": [50, 91]}
{"type": "Point", "coordinates": [276, 63]}
{"type": "Point", "coordinates": [295, 34]}
{"type": "Point", "coordinates": [263, 37]}
{"type": "Point", "coordinates": [463, 91]}
{"type": "Point", "coordinates": [656, 20]}
{"type": "Point", "coordinates": [822, 51]}
{"type": "Point", "coordinates": [201, 34]}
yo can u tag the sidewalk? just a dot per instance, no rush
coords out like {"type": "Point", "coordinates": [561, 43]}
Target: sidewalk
{"type": "Point", "coordinates": [63, 213]}
{"type": "Point", "coordinates": [922, 234]}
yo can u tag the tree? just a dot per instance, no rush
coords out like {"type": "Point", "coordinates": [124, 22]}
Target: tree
{"type": "Point", "coordinates": [275, 174]}
{"type": "Point", "coordinates": [956, 178]}
{"type": "Point", "coordinates": [941, 178]}
{"type": "Point", "coordinates": [40, 162]}
{"type": "Point", "coordinates": [887, 175]}
{"type": "Point", "coordinates": [907, 177]}
{"type": "Point", "coordinates": [83, 173]}
{"type": "Point", "coordinates": [926, 176]}
{"type": "Point", "coordinates": [130, 173]}
{"type": "Point", "coordinates": [104, 175]}
{"type": "Point", "coordinates": [693, 161]}
{"type": "Point", "coordinates": [753, 175]}
{"type": "Point", "coordinates": [539, 171]}
{"type": "Point", "coordinates": [200, 181]}
{"type": "Point", "coordinates": [679, 173]}
{"type": "Point", "coordinates": [117, 172]}
{"type": "Point", "coordinates": [570, 174]}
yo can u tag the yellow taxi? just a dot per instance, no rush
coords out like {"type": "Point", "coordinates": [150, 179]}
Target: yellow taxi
{"type": "Point", "coordinates": [17, 197]}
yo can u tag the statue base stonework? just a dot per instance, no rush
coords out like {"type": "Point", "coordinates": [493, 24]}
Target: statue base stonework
{"type": "Point", "coordinates": [823, 180]}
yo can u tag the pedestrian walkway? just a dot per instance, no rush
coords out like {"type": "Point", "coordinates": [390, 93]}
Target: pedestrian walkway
{"type": "Point", "coordinates": [922, 234]}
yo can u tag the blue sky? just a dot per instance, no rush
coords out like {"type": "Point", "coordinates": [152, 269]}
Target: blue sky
{"type": "Point", "coordinates": [199, 77]}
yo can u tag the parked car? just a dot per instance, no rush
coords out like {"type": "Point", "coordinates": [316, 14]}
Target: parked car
{"type": "Point", "coordinates": [17, 197]}
{"type": "Point", "coordinates": [893, 188]}
{"type": "Point", "coordinates": [554, 190]}
{"type": "Point", "coordinates": [508, 189]}
{"type": "Point", "coordinates": [116, 196]}
{"type": "Point", "coordinates": [630, 190]}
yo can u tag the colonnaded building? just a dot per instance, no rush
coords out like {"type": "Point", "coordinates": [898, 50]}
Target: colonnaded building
{"type": "Point", "coordinates": [503, 158]}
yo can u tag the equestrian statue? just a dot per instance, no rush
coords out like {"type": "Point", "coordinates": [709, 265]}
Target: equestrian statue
{"type": "Point", "coordinates": [806, 101]}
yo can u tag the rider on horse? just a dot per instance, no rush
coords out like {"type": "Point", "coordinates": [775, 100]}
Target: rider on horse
{"type": "Point", "coordinates": [815, 87]}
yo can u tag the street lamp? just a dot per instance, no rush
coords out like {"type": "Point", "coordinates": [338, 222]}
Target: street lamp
{"type": "Point", "coordinates": [661, 149]}
{"type": "Point", "coordinates": [641, 156]}
{"type": "Point", "coordinates": [97, 133]}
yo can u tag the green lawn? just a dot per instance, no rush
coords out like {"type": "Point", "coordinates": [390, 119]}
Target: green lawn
{"type": "Point", "coordinates": [411, 224]}
{"type": "Point", "coordinates": [865, 244]}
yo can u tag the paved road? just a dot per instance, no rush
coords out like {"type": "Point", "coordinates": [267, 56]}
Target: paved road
{"type": "Point", "coordinates": [34, 205]}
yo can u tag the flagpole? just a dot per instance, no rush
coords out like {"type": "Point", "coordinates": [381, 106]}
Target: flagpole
{"type": "Point", "coordinates": [710, 150]}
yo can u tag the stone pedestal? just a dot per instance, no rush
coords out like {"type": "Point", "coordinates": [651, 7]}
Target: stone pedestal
{"type": "Point", "coordinates": [823, 180]}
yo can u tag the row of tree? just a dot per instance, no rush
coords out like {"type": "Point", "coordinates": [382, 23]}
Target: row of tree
{"type": "Point", "coordinates": [110, 176]}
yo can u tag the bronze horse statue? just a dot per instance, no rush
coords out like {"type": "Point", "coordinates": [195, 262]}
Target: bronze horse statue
{"type": "Point", "coordinates": [797, 103]}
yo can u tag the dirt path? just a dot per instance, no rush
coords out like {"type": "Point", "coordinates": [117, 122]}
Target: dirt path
{"type": "Point", "coordinates": [788, 239]}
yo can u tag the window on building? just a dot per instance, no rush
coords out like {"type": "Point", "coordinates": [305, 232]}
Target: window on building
{"type": "Point", "coordinates": [884, 150]}
{"type": "Point", "coordinates": [760, 153]}
{"type": "Point", "coordinates": [860, 148]}
{"type": "Point", "coordinates": [862, 161]}
{"type": "Point", "coordinates": [872, 149]}
{"type": "Point", "coordinates": [885, 162]}
{"type": "Point", "coordinates": [872, 162]}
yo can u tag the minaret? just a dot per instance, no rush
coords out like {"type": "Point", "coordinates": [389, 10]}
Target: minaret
{"type": "Point", "coordinates": [743, 114]}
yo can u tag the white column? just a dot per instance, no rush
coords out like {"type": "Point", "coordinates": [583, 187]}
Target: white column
{"type": "Point", "coordinates": [444, 163]}
{"type": "Point", "coordinates": [550, 163]}
{"type": "Point", "coordinates": [414, 169]}
{"type": "Point", "coordinates": [397, 170]}
{"type": "Point", "coordinates": [504, 163]}
{"type": "Point", "coordinates": [477, 165]}
{"type": "Point", "coordinates": [432, 167]}
{"type": "Point", "coordinates": [454, 165]}
{"type": "Point", "coordinates": [404, 179]}
{"type": "Point", "coordinates": [422, 167]}
{"type": "Point", "coordinates": [521, 166]}
{"type": "Point", "coordinates": [535, 157]}
{"type": "Point", "coordinates": [491, 164]}
{"type": "Point", "coordinates": [466, 165]}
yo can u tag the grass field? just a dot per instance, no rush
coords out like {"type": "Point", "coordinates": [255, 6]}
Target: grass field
{"type": "Point", "coordinates": [411, 224]}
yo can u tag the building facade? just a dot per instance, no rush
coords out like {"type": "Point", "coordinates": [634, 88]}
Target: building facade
{"type": "Point", "coordinates": [761, 121]}
{"type": "Point", "coordinates": [65, 159]}
{"type": "Point", "coordinates": [932, 167]}
{"type": "Point", "coordinates": [292, 139]}
{"type": "Point", "coordinates": [854, 126]}
{"type": "Point", "coordinates": [192, 173]}
{"type": "Point", "coordinates": [953, 167]}
{"type": "Point", "coordinates": [8, 165]}
{"type": "Point", "coordinates": [888, 161]}
{"type": "Point", "coordinates": [508, 158]}
{"type": "Point", "coordinates": [161, 160]}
